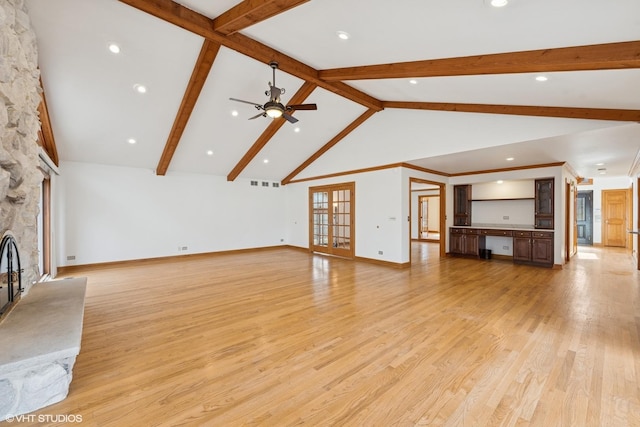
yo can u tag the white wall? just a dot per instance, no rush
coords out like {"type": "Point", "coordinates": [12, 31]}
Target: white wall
{"type": "Point", "coordinates": [378, 213]}
{"type": "Point", "coordinates": [109, 213]}
{"type": "Point", "coordinates": [106, 213]}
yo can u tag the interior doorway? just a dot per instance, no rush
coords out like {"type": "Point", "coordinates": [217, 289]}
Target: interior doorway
{"type": "Point", "coordinates": [429, 217]}
{"type": "Point", "coordinates": [584, 217]}
{"type": "Point", "coordinates": [427, 220]}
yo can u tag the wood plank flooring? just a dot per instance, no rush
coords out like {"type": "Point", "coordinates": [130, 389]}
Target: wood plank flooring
{"type": "Point", "coordinates": [282, 338]}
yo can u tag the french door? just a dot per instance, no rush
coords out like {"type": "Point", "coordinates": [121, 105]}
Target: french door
{"type": "Point", "coordinates": [331, 222]}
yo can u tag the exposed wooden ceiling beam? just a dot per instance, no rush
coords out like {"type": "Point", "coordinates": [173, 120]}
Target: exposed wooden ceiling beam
{"type": "Point", "coordinates": [346, 131]}
{"type": "Point", "coordinates": [45, 135]}
{"type": "Point", "coordinates": [523, 110]}
{"type": "Point", "coordinates": [270, 131]}
{"type": "Point", "coordinates": [251, 12]}
{"type": "Point", "coordinates": [608, 56]}
{"type": "Point", "coordinates": [208, 54]}
{"type": "Point", "coordinates": [183, 17]}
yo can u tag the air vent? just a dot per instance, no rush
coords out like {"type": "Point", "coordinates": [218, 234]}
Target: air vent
{"type": "Point", "coordinates": [275, 184]}
{"type": "Point", "coordinates": [254, 183]}
{"type": "Point", "coordinates": [265, 184]}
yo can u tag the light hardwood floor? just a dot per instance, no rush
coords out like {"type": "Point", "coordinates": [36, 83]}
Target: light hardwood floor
{"type": "Point", "coordinates": [282, 337]}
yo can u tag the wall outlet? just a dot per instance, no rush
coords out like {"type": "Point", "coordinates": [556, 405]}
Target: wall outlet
{"type": "Point", "coordinates": [506, 248]}
{"type": "Point", "coordinates": [71, 258]}
{"type": "Point", "coordinates": [380, 252]}
{"type": "Point", "coordinates": [184, 248]}
{"type": "Point", "coordinates": [282, 240]}
{"type": "Point", "coordinates": [505, 217]}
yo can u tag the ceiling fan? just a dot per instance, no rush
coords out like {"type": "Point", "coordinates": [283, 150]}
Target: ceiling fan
{"type": "Point", "coordinates": [273, 107]}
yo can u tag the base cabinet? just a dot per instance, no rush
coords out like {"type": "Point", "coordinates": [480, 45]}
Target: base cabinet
{"type": "Point", "coordinates": [533, 247]}
{"type": "Point", "coordinates": [529, 247]}
{"type": "Point", "coordinates": [522, 248]}
{"type": "Point", "coordinates": [463, 242]}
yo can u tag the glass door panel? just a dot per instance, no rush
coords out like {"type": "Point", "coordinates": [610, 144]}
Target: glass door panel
{"type": "Point", "coordinates": [320, 208]}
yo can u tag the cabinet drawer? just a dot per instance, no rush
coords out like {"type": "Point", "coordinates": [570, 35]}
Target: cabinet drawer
{"type": "Point", "coordinates": [542, 234]}
{"type": "Point", "coordinates": [496, 232]}
{"type": "Point", "coordinates": [456, 231]}
{"type": "Point", "coordinates": [522, 234]}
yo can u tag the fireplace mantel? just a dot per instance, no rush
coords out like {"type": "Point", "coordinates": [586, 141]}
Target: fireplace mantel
{"type": "Point", "coordinates": [39, 342]}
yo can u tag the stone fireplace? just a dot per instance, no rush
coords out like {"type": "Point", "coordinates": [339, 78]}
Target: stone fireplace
{"type": "Point", "coordinates": [20, 174]}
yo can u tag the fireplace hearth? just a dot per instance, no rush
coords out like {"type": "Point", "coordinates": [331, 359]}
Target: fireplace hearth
{"type": "Point", "coordinates": [10, 274]}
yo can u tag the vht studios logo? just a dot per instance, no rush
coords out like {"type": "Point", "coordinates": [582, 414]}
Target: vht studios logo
{"type": "Point", "coordinates": [44, 418]}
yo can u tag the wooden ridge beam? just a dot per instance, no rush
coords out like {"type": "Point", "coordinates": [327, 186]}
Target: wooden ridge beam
{"type": "Point", "coordinates": [609, 56]}
{"type": "Point", "coordinates": [523, 110]}
{"type": "Point", "coordinates": [250, 12]}
{"type": "Point", "coordinates": [201, 25]}
{"type": "Point", "coordinates": [346, 131]}
{"type": "Point", "coordinates": [275, 125]}
{"type": "Point", "coordinates": [201, 70]}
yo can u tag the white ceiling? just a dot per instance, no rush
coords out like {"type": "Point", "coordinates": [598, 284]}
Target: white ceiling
{"type": "Point", "coordinates": [94, 109]}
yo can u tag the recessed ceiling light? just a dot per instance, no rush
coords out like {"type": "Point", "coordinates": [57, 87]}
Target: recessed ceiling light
{"type": "Point", "coordinates": [499, 3]}
{"type": "Point", "coordinates": [265, 161]}
{"type": "Point", "coordinates": [131, 141]}
{"type": "Point", "coordinates": [600, 164]}
{"type": "Point", "coordinates": [234, 113]}
{"type": "Point", "coordinates": [499, 181]}
{"type": "Point", "coordinates": [509, 159]}
{"type": "Point", "coordinates": [542, 78]}
{"type": "Point", "coordinates": [209, 152]}
{"type": "Point", "coordinates": [114, 48]}
{"type": "Point", "coordinates": [140, 88]}
{"type": "Point", "coordinates": [413, 81]}
{"type": "Point", "coordinates": [343, 35]}
{"type": "Point", "coordinates": [296, 130]}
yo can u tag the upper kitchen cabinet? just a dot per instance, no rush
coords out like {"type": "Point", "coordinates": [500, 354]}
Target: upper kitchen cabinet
{"type": "Point", "coordinates": [544, 203]}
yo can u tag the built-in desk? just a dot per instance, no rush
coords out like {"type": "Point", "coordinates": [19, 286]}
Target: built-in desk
{"type": "Point", "coordinates": [530, 246]}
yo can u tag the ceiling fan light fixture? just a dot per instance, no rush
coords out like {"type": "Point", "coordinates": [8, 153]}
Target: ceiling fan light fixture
{"type": "Point", "coordinates": [274, 113]}
{"type": "Point", "coordinates": [499, 3]}
{"type": "Point", "coordinates": [273, 109]}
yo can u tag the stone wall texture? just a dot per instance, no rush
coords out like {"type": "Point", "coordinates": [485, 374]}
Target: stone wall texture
{"type": "Point", "coordinates": [20, 176]}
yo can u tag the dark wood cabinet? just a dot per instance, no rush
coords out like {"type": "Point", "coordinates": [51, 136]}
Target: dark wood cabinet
{"type": "Point", "coordinates": [464, 241]}
{"type": "Point", "coordinates": [456, 242]}
{"type": "Point", "coordinates": [544, 203]}
{"type": "Point", "coordinates": [462, 205]}
{"type": "Point", "coordinates": [522, 246]}
{"type": "Point", "coordinates": [542, 248]}
{"type": "Point", "coordinates": [533, 247]}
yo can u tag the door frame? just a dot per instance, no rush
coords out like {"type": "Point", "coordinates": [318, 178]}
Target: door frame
{"type": "Point", "coordinates": [443, 213]}
{"type": "Point", "coordinates": [330, 250]}
{"type": "Point", "coordinates": [421, 199]}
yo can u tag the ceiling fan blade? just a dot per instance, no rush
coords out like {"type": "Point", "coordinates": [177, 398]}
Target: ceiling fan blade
{"type": "Point", "coordinates": [257, 115]}
{"type": "Point", "coordinates": [246, 102]}
{"type": "Point", "coordinates": [289, 118]}
{"type": "Point", "coordinates": [302, 107]}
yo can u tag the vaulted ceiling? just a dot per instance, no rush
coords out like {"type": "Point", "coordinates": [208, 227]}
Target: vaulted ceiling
{"type": "Point", "coordinates": [447, 86]}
